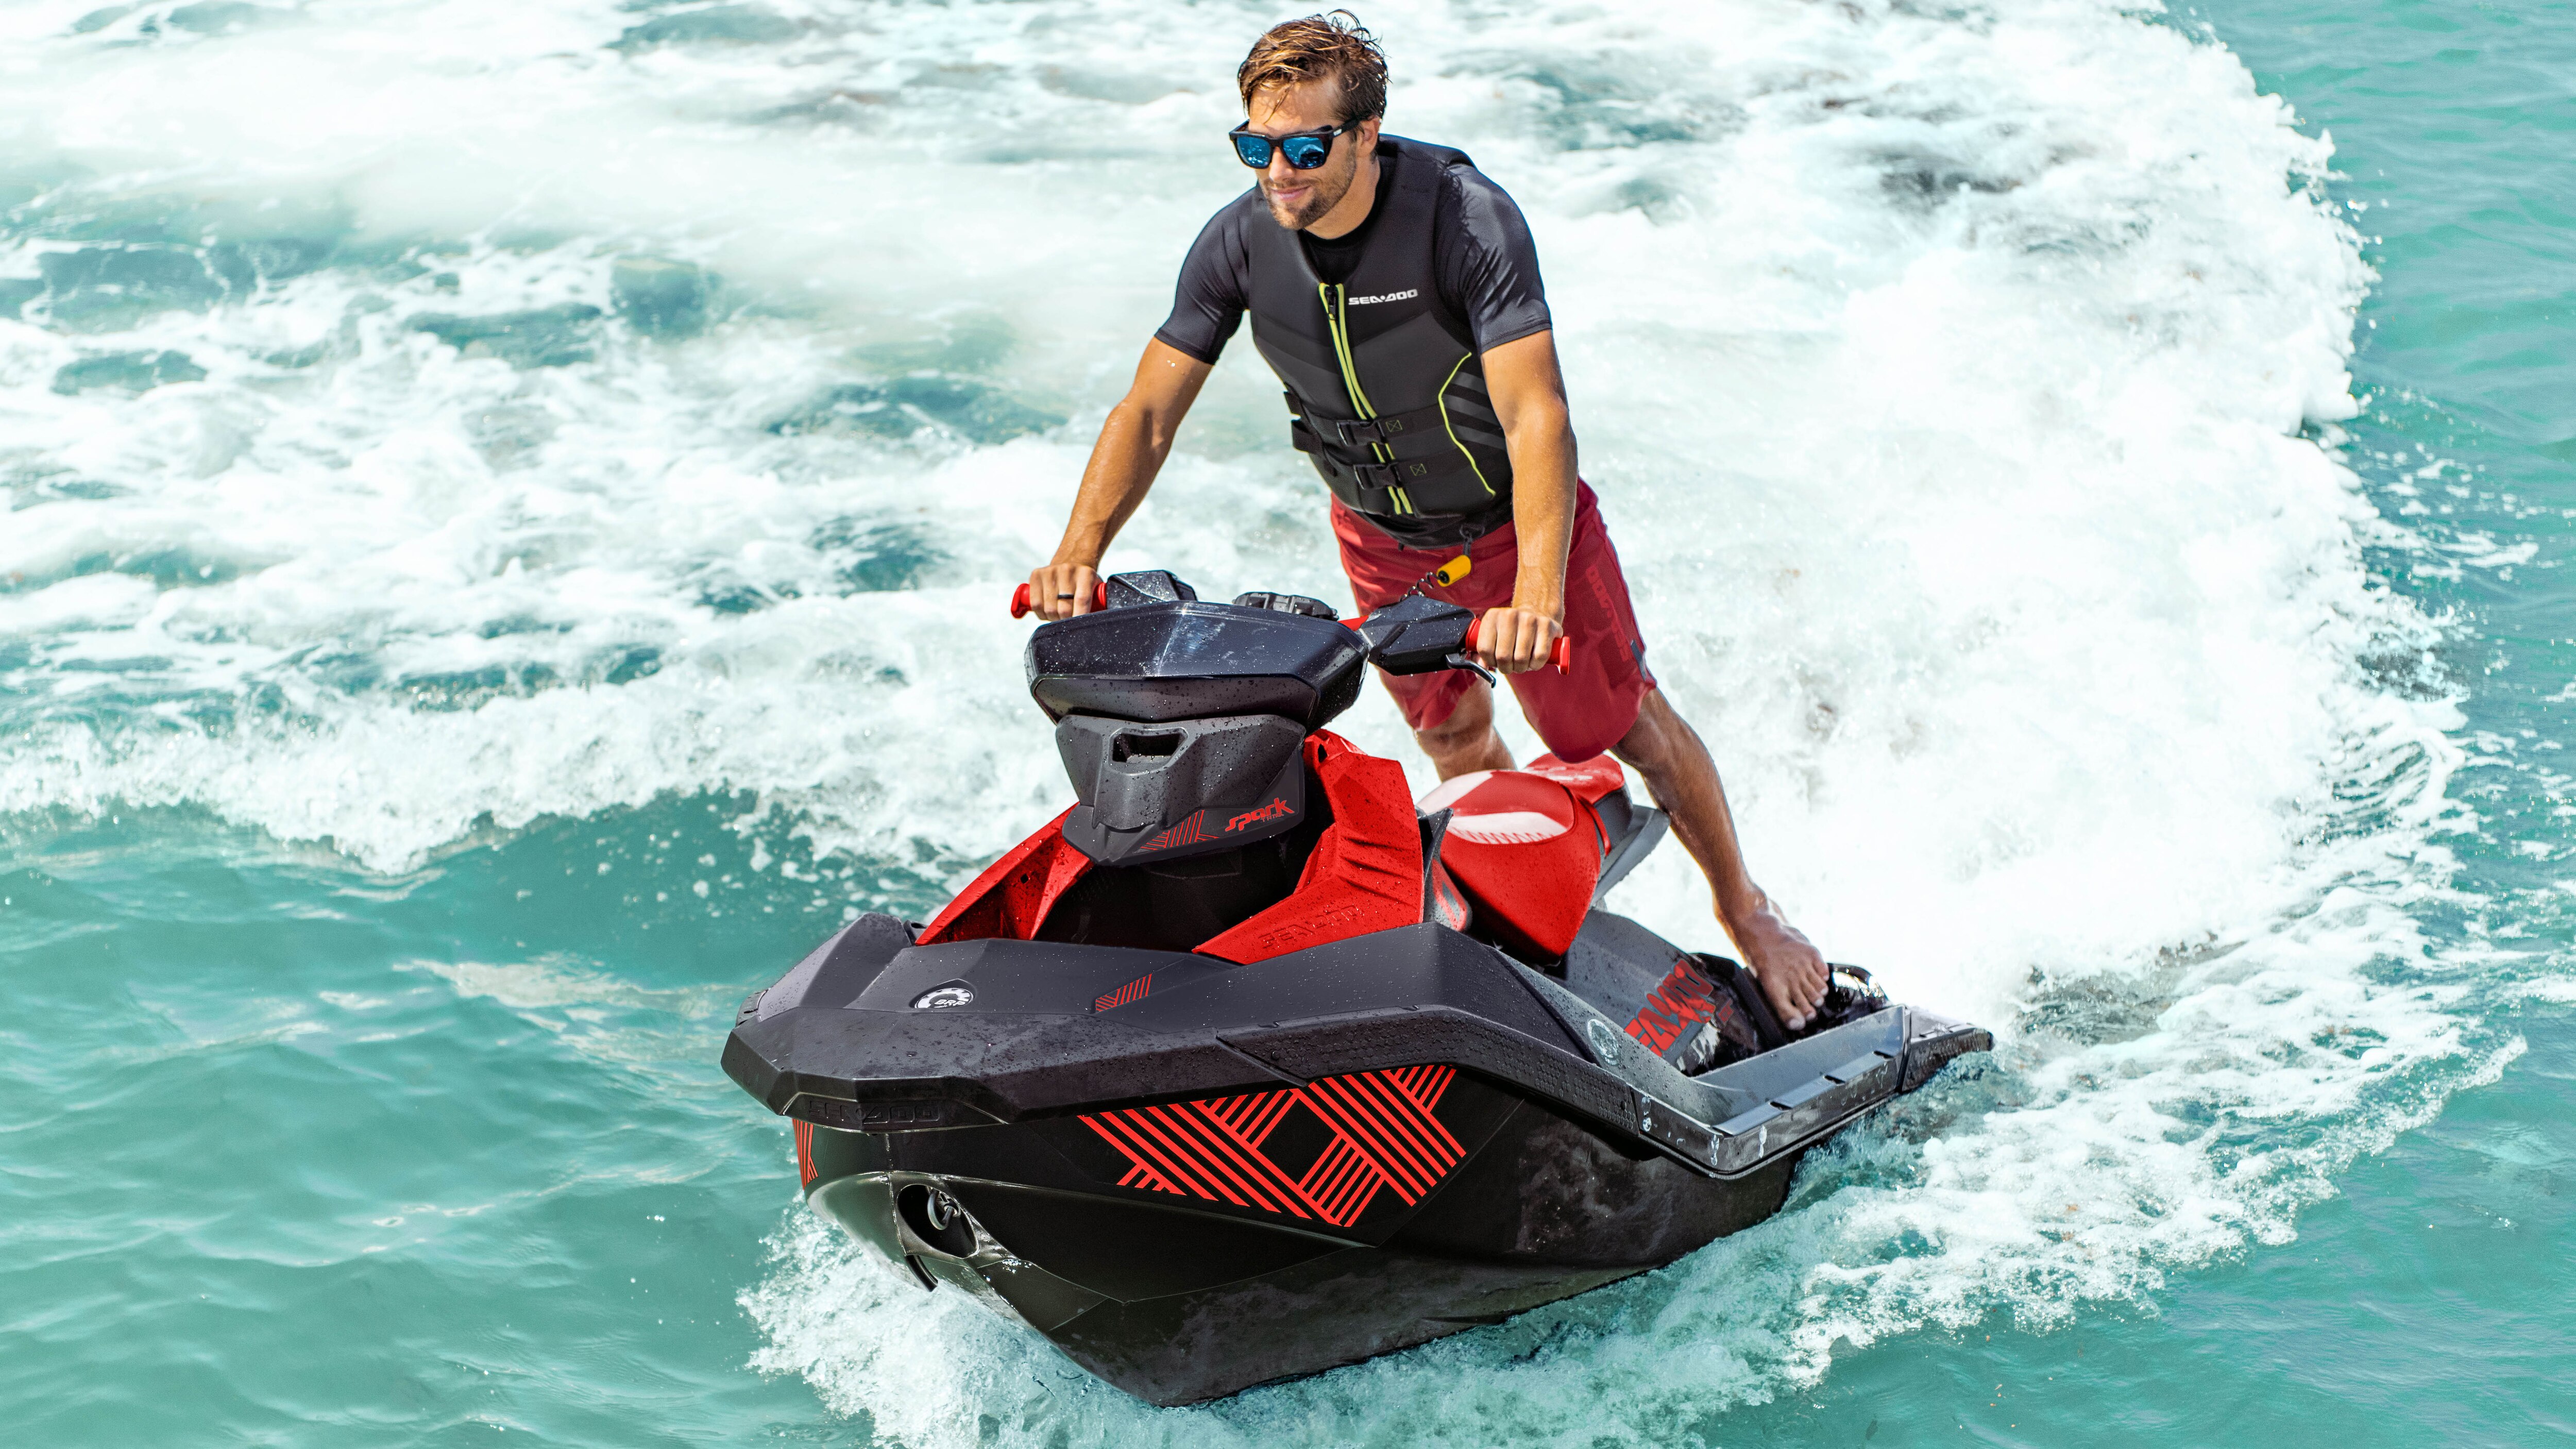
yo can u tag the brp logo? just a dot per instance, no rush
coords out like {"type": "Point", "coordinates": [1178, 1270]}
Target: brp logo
{"type": "Point", "coordinates": [953, 993]}
{"type": "Point", "coordinates": [1605, 1040]}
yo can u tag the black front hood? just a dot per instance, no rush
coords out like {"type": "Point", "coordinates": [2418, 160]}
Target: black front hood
{"type": "Point", "coordinates": [850, 1039]}
{"type": "Point", "coordinates": [1043, 1030]}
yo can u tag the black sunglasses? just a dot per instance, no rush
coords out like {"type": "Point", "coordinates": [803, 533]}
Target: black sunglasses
{"type": "Point", "coordinates": [1305, 150]}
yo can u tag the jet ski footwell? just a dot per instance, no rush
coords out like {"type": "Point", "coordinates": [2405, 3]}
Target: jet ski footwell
{"type": "Point", "coordinates": [1314, 1158]}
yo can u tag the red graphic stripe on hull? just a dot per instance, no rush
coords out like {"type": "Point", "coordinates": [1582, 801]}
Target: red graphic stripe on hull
{"type": "Point", "coordinates": [1362, 1113]}
{"type": "Point", "coordinates": [1250, 1173]}
{"type": "Point", "coordinates": [1217, 1160]}
{"type": "Point", "coordinates": [1130, 1134]}
{"type": "Point", "coordinates": [1384, 1133]}
{"type": "Point", "coordinates": [1403, 1112]}
{"type": "Point", "coordinates": [1258, 1166]}
{"type": "Point", "coordinates": [1133, 991]}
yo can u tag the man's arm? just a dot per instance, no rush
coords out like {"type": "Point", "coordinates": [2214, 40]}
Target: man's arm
{"type": "Point", "coordinates": [1529, 398]}
{"type": "Point", "coordinates": [1134, 441]}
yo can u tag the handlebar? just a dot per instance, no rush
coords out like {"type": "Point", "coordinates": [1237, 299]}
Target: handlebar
{"type": "Point", "coordinates": [1021, 608]}
{"type": "Point", "coordinates": [1562, 656]}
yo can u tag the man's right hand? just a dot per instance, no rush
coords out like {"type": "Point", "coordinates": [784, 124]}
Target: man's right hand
{"type": "Point", "coordinates": [1062, 590]}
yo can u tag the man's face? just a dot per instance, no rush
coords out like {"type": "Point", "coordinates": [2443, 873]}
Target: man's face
{"type": "Point", "coordinates": [1298, 199]}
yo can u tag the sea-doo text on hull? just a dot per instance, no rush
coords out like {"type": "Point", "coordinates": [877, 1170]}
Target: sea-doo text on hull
{"type": "Point", "coordinates": [1247, 1066]}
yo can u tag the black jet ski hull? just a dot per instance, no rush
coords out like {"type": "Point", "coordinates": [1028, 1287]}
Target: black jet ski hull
{"type": "Point", "coordinates": [1542, 1211]}
{"type": "Point", "coordinates": [1232, 1174]}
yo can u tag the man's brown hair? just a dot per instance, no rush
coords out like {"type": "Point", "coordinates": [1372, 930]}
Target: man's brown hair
{"type": "Point", "coordinates": [1319, 47]}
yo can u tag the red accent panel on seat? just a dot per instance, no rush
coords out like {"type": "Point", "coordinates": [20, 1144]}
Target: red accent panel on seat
{"type": "Point", "coordinates": [1527, 851]}
{"type": "Point", "coordinates": [1591, 780]}
{"type": "Point", "coordinates": [1385, 1134]}
{"type": "Point", "coordinates": [1365, 874]}
{"type": "Point", "coordinates": [1010, 900]}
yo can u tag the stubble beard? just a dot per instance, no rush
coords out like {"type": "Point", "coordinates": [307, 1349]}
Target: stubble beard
{"type": "Point", "coordinates": [1332, 183]}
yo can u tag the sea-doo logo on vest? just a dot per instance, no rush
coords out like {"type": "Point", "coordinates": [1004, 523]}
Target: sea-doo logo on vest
{"type": "Point", "coordinates": [1406, 295]}
{"type": "Point", "coordinates": [1271, 811]}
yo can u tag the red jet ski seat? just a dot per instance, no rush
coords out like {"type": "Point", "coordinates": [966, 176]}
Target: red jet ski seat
{"type": "Point", "coordinates": [1525, 847]}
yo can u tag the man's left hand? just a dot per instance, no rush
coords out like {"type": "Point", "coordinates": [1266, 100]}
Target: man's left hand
{"type": "Point", "coordinates": [1514, 640]}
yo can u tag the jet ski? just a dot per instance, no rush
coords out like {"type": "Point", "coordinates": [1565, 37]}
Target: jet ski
{"type": "Point", "coordinates": [1248, 1064]}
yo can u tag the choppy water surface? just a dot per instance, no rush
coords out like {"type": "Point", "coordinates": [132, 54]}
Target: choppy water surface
{"type": "Point", "coordinates": [506, 509]}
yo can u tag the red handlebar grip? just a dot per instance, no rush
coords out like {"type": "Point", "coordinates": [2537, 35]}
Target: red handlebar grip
{"type": "Point", "coordinates": [1021, 608]}
{"type": "Point", "coordinates": [1562, 656]}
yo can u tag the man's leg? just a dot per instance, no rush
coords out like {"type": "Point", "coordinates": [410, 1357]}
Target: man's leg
{"type": "Point", "coordinates": [1663, 749]}
{"type": "Point", "coordinates": [1466, 741]}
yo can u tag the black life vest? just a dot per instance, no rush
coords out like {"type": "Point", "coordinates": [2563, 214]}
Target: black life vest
{"type": "Point", "coordinates": [1385, 390]}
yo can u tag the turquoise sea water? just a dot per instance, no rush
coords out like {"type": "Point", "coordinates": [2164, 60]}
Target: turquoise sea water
{"type": "Point", "coordinates": [506, 505]}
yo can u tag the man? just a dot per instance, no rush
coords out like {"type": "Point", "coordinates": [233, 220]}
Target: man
{"type": "Point", "coordinates": [1395, 290]}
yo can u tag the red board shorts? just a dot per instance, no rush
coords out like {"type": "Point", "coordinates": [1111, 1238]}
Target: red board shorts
{"type": "Point", "coordinates": [1579, 713]}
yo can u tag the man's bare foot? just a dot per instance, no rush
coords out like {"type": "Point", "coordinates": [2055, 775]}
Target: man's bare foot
{"type": "Point", "coordinates": [1792, 971]}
